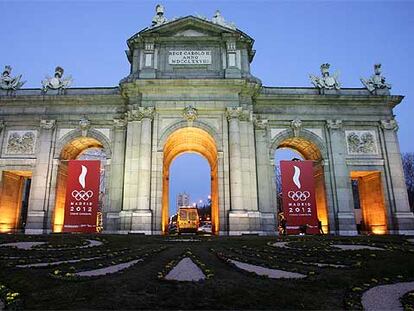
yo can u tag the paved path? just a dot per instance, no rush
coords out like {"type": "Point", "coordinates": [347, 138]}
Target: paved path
{"type": "Point", "coordinates": [186, 270]}
{"type": "Point", "coordinates": [54, 263]}
{"type": "Point", "coordinates": [352, 247]}
{"type": "Point", "coordinates": [280, 244]}
{"type": "Point", "coordinates": [22, 245]}
{"type": "Point", "coordinates": [270, 273]}
{"type": "Point", "coordinates": [108, 270]}
{"type": "Point", "coordinates": [386, 297]}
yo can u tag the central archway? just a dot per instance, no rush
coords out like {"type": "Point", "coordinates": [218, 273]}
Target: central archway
{"type": "Point", "coordinates": [309, 150]}
{"type": "Point", "coordinates": [190, 139]}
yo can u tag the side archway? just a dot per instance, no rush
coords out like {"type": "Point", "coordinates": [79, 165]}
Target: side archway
{"type": "Point", "coordinates": [72, 147]}
{"type": "Point", "coordinates": [310, 147]}
{"type": "Point", "coordinates": [190, 139]}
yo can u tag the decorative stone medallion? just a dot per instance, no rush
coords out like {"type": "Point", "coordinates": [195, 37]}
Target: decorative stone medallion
{"type": "Point", "coordinates": [361, 142]}
{"type": "Point", "coordinates": [21, 142]}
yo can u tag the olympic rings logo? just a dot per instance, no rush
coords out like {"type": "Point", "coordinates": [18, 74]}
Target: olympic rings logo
{"type": "Point", "coordinates": [299, 195]}
{"type": "Point", "coordinates": [82, 195]}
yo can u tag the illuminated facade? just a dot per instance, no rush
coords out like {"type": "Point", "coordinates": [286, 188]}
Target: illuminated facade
{"type": "Point", "coordinates": [190, 90]}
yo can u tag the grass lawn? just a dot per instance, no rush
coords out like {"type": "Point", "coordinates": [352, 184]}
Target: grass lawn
{"type": "Point", "coordinates": [329, 286]}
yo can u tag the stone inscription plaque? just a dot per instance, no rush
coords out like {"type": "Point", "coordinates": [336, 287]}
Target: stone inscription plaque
{"type": "Point", "coordinates": [189, 57]}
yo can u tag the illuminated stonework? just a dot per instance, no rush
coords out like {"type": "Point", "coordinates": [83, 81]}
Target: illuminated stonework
{"type": "Point", "coordinates": [190, 89]}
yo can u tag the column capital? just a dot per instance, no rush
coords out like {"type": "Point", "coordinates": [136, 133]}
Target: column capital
{"type": "Point", "coordinates": [334, 124]}
{"type": "Point", "coordinates": [389, 125]}
{"type": "Point", "coordinates": [237, 113]}
{"type": "Point", "coordinates": [120, 123]}
{"type": "Point", "coordinates": [139, 113]}
{"type": "Point", "coordinates": [47, 124]}
{"type": "Point", "coordinates": [261, 124]}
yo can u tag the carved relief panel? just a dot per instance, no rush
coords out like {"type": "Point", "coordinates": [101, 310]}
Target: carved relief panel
{"type": "Point", "coordinates": [361, 142]}
{"type": "Point", "coordinates": [21, 142]}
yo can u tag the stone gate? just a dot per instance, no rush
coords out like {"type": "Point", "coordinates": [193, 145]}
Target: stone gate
{"type": "Point", "coordinates": [190, 89]}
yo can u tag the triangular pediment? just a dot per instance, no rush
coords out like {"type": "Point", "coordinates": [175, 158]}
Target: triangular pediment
{"type": "Point", "coordinates": [190, 33]}
{"type": "Point", "coordinates": [189, 26]}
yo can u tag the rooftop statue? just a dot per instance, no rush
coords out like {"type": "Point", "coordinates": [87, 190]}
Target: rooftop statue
{"type": "Point", "coordinates": [219, 20]}
{"type": "Point", "coordinates": [376, 81]}
{"type": "Point", "coordinates": [326, 82]}
{"type": "Point", "coordinates": [57, 82]}
{"type": "Point", "coordinates": [159, 17]}
{"type": "Point", "coordinates": [8, 82]}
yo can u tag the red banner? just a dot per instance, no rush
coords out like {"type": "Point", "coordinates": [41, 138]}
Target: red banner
{"type": "Point", "coordinates": [82, 196]}
{"type": "Point", "coordinates": [298, 196]}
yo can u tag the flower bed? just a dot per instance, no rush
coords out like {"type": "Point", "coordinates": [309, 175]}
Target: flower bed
{"type": "Point", "coordinates": [10, 299]}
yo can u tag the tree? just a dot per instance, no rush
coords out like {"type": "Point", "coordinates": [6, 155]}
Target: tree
{"type": "Point", "coordinates": [408, 167]}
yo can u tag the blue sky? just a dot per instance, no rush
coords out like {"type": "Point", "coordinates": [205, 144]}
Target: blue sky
{"type": "Point", "coordinates": [293, 38]}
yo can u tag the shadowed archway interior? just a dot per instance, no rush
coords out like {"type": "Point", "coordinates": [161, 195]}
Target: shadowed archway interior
{"type": "Point", "coordinates": [195, 140]}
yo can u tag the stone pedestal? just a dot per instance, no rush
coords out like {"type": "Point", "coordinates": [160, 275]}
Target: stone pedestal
{"type": "Point", "coordinates": [35, 222]}
{"type": "Point", "coordinates": [248, 222]}
{"type": "Point", "coordinates": [141, 222]}
{"type": "Point", "coordinates": [404, 222]}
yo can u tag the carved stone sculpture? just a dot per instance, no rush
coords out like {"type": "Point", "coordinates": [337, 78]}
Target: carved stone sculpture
{"type": "Point", "coordinates": [84, 125]}
{"type": "Point", "coordinates": [326, 81]}
{"type": "Point", "coordinates": [57, 82]}
{"type": "Point", "coordinates": [9, 83]}
{"type": "Point", "coordinates": [296, 126]}
{"type": "Point", "coordinates": [219, 20]}
{"type": "Point", "coordinates": [190, 113]}
{"type": "Point", "coordinates": [159, 18]}
{"type": "Point", "coordinates": [376, 81]}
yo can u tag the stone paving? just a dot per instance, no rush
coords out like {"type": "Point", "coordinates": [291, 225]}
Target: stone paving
{"type": "Point", "coordinates": [270, 273]}
{"type": "Point", "coordinates": [352, 247]}
{"type": "Point", "coordinates": [109, 269]}
{"type": "Point", "coordinates": [280, 244]}
{"type": "Point", "coordinates": [186, 270]}
{"type": "Point", "coordinates": [55, 263]}
{"type": "Point", "coordinates": [23, 245]}
{"type": "Point", "coordinates": [386, 297]}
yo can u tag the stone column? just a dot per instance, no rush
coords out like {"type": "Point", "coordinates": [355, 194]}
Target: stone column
{"type": "Point", "coordinates": [132, 148]}
{"type": "Point", "coordinates": [40, 186]}
{"type": "Point", "coordinates": [116, 176]}
{"type": "Point", "coordinates": [400, 208]}
{"type": "Point", "coordinates": [233, 115]}
{"type": "Point", "coordinates": [343, 199]}
{"type": "Point", "coordinates": [144, 166]}
{"type": "Point", "coordinates": [142, 217]}
{"type": "Point", "coordinates": [238, 216]}
{"type": "Point", "coordinates": [265, 186]}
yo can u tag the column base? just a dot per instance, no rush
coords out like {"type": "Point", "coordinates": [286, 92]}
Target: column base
{"type": "Point", "coordinates": [249, 222]}
{"type": "Point", "coordinates": [112, 222]}
{"type": "Point", "coordinates": [346, 224]}
{"type": "Point", "coordinates": [404, 222]}
{"type": "Point", "coordinates": [35, 221]}
{"type": "Point", "coordinates": [135, 221]}
{"type": "Point", "coordinates": [141, 222]}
